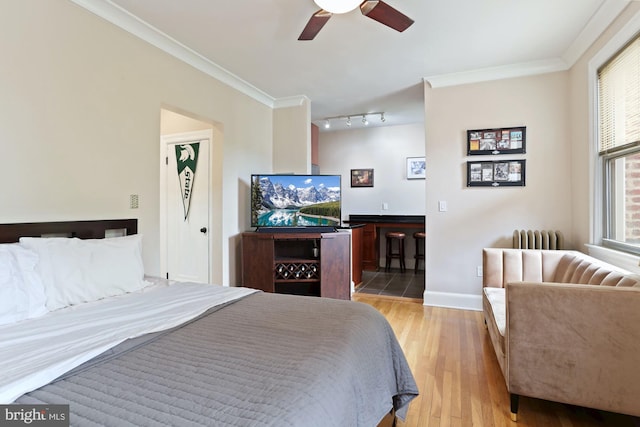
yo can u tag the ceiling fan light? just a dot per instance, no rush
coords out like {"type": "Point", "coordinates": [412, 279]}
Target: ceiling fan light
{"type": "Point", "coordinates": [338, 6]}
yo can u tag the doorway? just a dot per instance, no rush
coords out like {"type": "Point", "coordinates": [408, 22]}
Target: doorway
{"type": "Point", "coordinates": [186, 229]}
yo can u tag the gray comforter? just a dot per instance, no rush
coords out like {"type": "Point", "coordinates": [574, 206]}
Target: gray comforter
{"type": "Point", "coordinates": [265, 360]}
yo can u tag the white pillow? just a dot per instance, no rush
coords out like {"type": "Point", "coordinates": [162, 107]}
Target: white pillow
{"type": "Point", "coordinates": [74, 271]}
{"type": "Point", "coordinates": [22, 294]}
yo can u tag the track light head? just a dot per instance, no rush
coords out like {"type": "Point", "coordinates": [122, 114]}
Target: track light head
{"type": "Point", "coordinates": [364, 120]}
{"type": "Point", "coordinates": [327, 125]}
{"type": "Point", "coordinates": [348, 121]}
{"type": "Point", "coordinates": [382, 119]}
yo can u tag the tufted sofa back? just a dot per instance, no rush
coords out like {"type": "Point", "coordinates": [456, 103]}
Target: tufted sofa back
{"type": "Point", "coordinates": [501, 266]}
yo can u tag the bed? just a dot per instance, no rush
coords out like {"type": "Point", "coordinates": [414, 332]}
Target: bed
{"type": "Point", "coordinates": [168, 353]}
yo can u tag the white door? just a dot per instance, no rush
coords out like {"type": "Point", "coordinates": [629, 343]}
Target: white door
{"type": "Point", "coordinates": [187, 210]}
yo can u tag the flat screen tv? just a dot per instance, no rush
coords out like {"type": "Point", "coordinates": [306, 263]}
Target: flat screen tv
{"type": "Point", "coordinates": [295, 201]}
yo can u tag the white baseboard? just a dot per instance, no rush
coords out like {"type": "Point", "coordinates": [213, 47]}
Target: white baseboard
{"type": "Point", "coordinates": [451, 300]}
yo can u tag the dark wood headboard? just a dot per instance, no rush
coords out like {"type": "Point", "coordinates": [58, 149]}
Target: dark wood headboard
{"type": "Point", "coordinates": [96, 229]}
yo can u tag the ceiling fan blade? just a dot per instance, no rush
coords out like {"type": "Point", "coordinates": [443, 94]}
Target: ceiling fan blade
{"type": "Point", "coordinates": [385, 14]}
{"type": "Point", "coordinates": [315, 24]}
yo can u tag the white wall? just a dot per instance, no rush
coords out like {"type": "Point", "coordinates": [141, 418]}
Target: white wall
{"type": "Point", "coordinates": [80, 124]}
{"type": "Point", "coordinates": [481, 217]}
{"type": "Point", "coordinates": [385, 150]}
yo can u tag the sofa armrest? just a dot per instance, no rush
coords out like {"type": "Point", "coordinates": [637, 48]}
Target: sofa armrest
{"type": "Point", "coordinates": [577, 344]}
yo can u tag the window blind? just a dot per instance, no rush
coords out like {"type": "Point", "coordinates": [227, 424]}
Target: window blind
{"type": "Point", "coordinates": [619, 99]}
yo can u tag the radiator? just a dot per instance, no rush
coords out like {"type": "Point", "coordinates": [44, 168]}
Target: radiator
{"type": "Point", "coordinates": [538, 239]}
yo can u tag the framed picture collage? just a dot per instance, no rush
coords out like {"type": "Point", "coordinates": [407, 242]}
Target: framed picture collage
{"type": "Point", "coordinates": [496, 173]}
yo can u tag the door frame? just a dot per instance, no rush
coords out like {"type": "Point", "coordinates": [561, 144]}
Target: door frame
{"type": "Point", "coordinates": [177, 138]}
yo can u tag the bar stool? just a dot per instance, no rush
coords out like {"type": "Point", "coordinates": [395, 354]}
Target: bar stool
{"type": "Point", "coordinates": [396, 236]}
{"type": "Point", "coordinates": [419, 237]}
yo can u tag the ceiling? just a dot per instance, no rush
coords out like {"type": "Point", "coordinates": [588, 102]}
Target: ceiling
{"type": "Point", "coordinates": [357, 65]}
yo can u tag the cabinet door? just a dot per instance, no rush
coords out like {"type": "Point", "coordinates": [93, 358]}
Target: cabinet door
{"type": "Point", "coordinates": [257, 261]}
{"type": "Point", "coordinates": [356, 255]}
{"type": "Point", "coordinates": [335, 266]}
{"type": "Point", "coordinates": [369, 248]}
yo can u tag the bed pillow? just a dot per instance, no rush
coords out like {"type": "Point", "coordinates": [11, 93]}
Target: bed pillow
{"type": "Point", "coordinates": [22, 294]}
{"type": "Point", "coordinates": [75, 271]}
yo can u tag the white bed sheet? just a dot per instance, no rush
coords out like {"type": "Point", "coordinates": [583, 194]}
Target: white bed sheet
{"type": "Point", "coordinates": [36, 351]}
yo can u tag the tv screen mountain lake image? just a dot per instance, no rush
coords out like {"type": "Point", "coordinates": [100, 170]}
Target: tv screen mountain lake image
{"type": "Point", "coordinates": [295, 200]}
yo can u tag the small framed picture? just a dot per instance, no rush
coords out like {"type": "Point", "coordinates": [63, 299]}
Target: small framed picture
{"type": "Point", "coordinates": [362, 177]}
{"type": "Point", "coordinates": [497, 141]}
{"type": "Point", "coordinates": [416, 167]}
{"type": "Point", "coordinates": [503, 173]}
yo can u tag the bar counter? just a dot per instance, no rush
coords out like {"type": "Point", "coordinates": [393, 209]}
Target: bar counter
{"type": "Point", "coordinates": [371, 229]}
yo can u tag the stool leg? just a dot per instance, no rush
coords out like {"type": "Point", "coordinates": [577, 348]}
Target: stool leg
{"type": "Point", "coordinates": [402, 265]}
{"type": "Point", "coordinates": [387, 261]}
{"type": "Point", "coordinates": [415, 270]}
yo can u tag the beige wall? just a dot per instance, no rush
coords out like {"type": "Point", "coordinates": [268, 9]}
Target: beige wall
{"type": "Point", "coordinates": [80, 124]}
{"type": "Point", "coordinates": [172, 122]}
{"type": "Point", "coordinates": [80, 129]}
{"type": "Point", "coordinates": [292, 139]}
{"type": "Point", "coordinates": [562, 183]}
{"type": "Point", "coordinates": [480, 217]}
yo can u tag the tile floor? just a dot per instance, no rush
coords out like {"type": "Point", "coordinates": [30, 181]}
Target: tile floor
{"type": "Point", "coordinates": [393, 283]}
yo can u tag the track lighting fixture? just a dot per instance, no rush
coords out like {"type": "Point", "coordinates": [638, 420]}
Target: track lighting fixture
{"type": "Point", "coordinates": [365, 120]}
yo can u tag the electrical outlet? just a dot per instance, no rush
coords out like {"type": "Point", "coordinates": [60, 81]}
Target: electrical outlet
{"type": "Point", "coordinates": [479, 271]}
{"type": "Point", "coordinates": [385, 206]}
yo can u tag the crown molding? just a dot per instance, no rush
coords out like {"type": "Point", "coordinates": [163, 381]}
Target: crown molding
{"type": "Point", "coordinates": [116, 15]}
{"type": "Point", "coordinates": [600, 20]}
{"type": "Point", "coordinates": [497, 73]}
{"type": "Point", "coordinates": [291, 101]}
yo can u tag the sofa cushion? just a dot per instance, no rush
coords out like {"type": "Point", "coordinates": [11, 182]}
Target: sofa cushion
{"type": "Point", "coordinates": [496, 298]}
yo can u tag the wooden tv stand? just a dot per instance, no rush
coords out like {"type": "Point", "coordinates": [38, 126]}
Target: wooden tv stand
{"type": "Point", "coordinates": [316, 264]}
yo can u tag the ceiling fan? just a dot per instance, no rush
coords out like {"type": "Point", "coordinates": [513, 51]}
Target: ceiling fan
{"type": "Point", "coordinates": [374, 9]}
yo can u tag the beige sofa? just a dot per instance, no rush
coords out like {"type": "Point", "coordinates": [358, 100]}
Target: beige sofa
{"type": "Point", "coordinates": [565, 327]}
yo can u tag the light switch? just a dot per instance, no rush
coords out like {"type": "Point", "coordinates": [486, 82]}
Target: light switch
{"type": "Point", "coordinates": [442, 206]}
{"type": "Point", "coordinates": [133, 201]}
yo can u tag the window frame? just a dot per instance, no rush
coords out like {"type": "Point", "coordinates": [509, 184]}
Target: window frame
{"type": "Point", "coordinates": [591, 236]}
{"type": "Point", "coordinates": [608, 217]}
{"type": "Point", "coordinates": [613, 197]}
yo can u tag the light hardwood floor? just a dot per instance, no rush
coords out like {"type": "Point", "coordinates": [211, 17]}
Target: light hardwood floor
{"type": "Point", "coordinates": [458, 375]}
